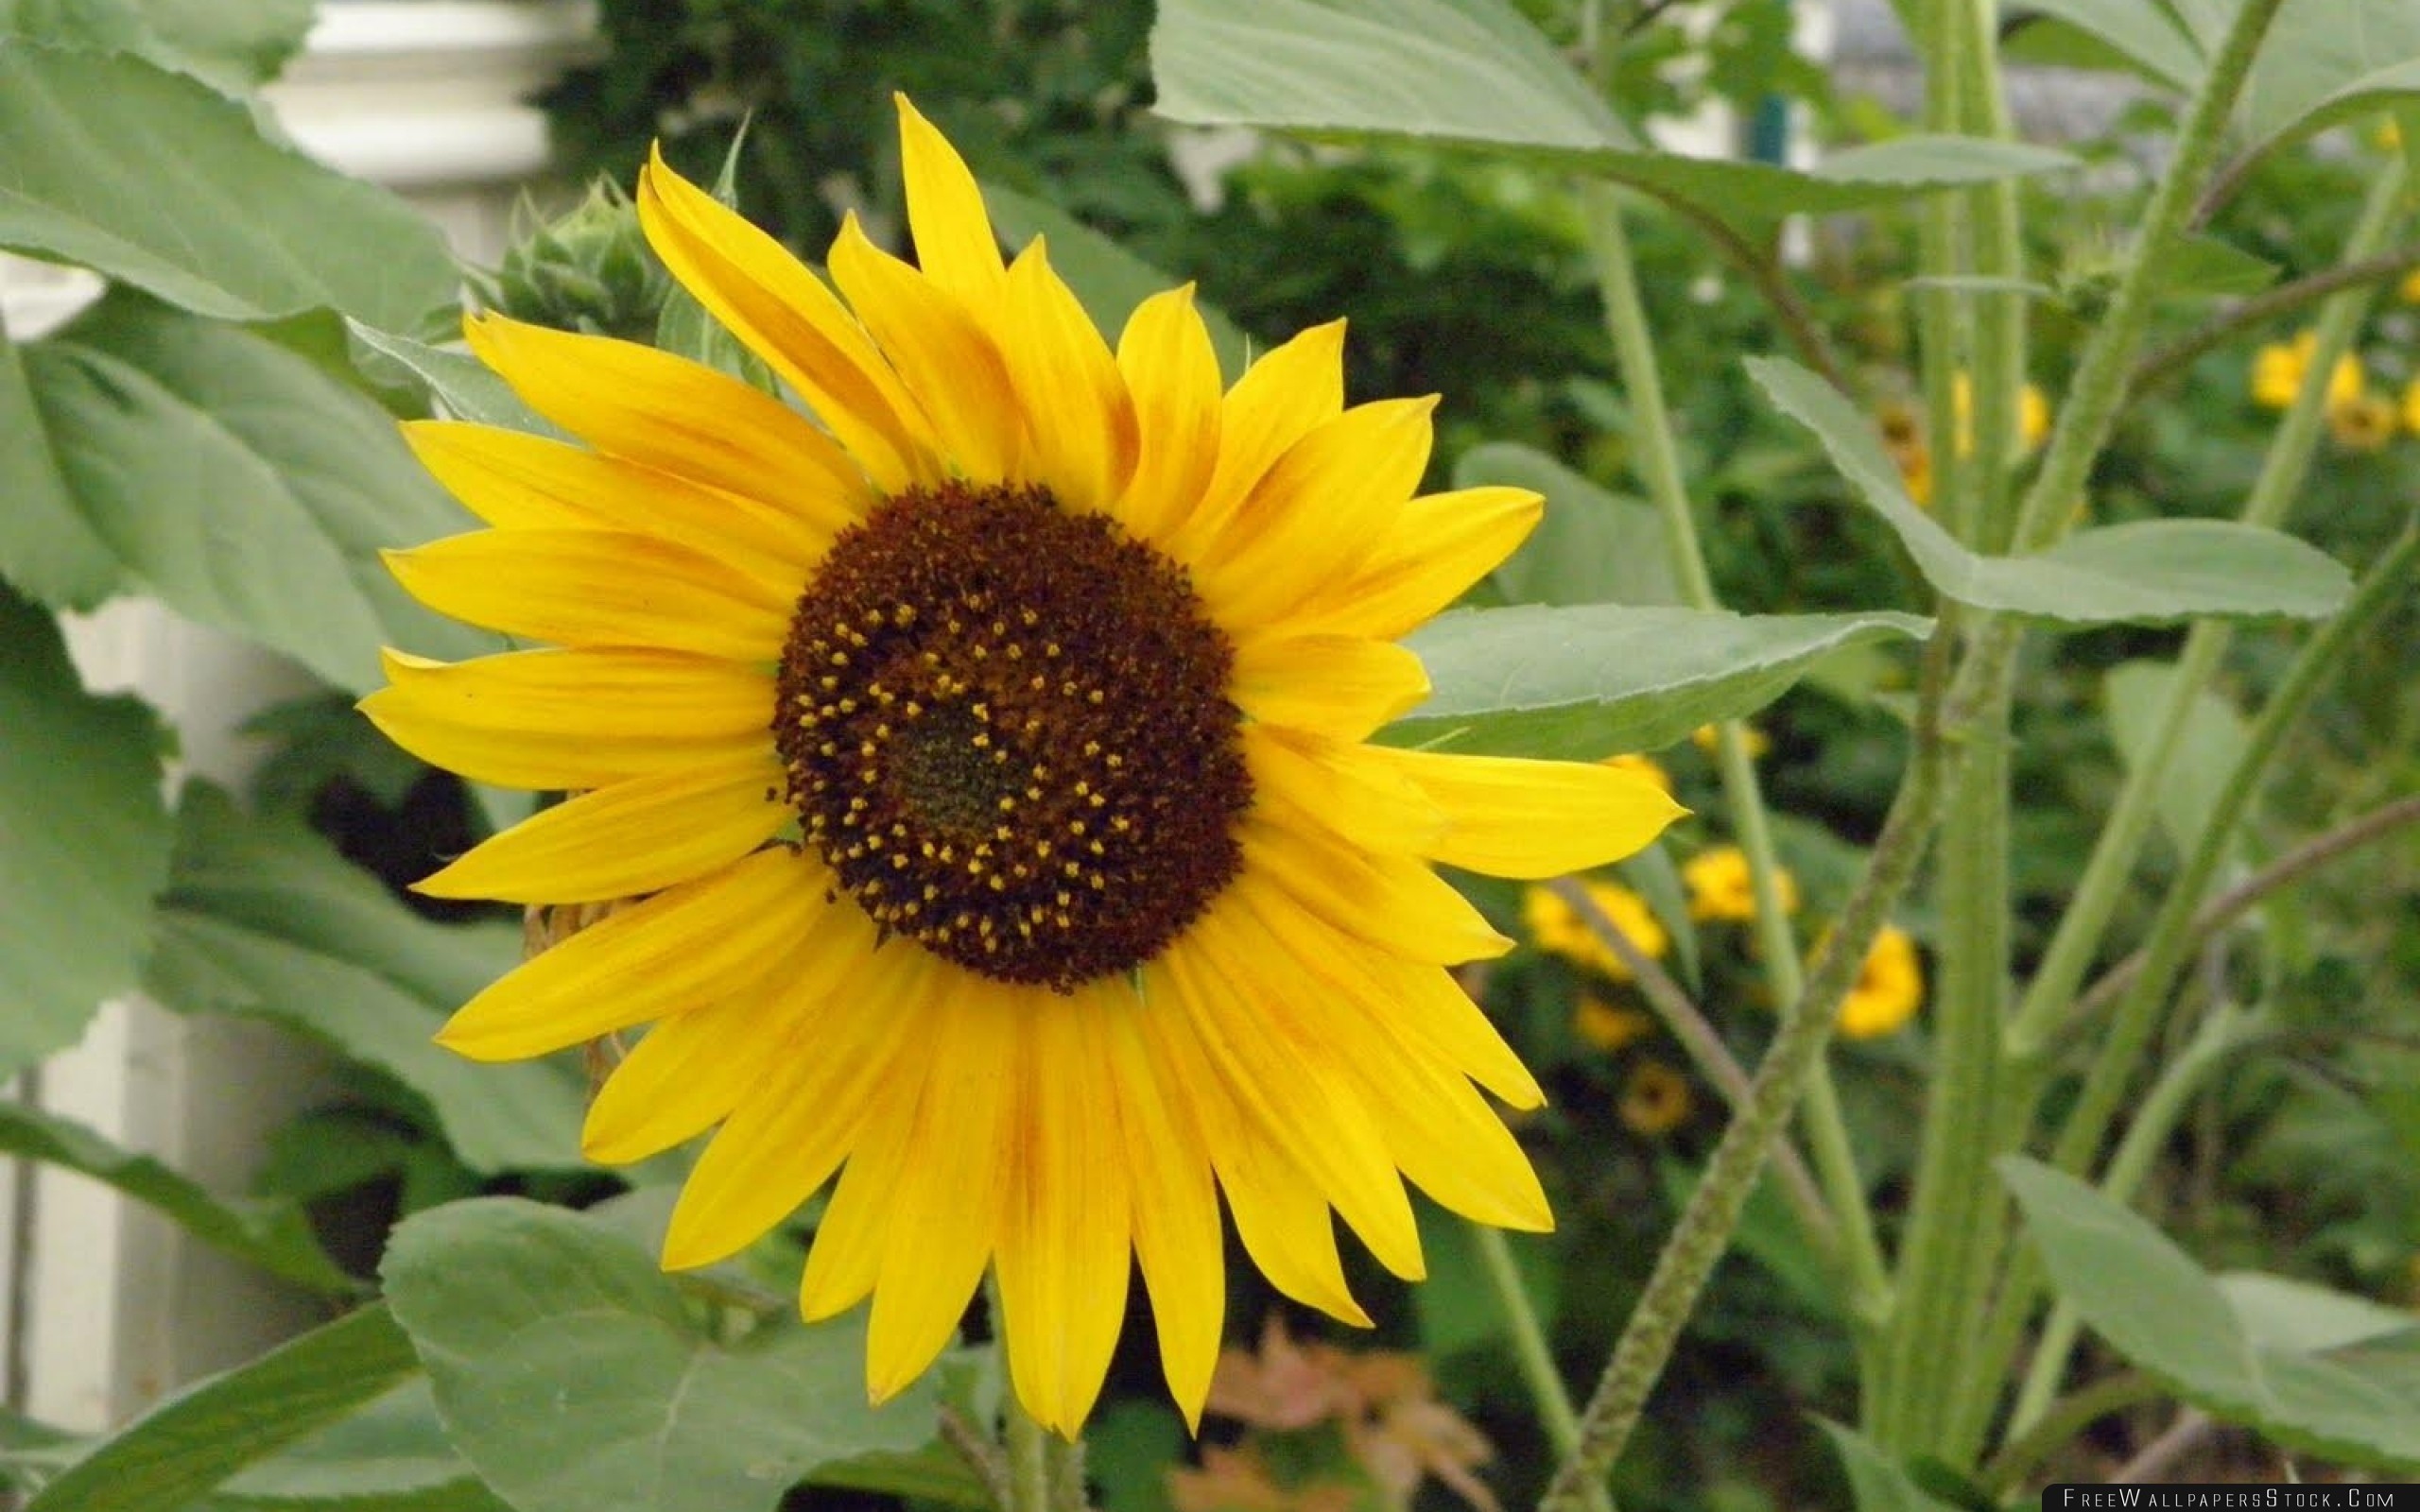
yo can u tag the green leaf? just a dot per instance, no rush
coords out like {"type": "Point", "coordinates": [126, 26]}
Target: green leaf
{"type": "Point", "coordinates": [231, 48]}
{"type": "Point", "coordinates": [968, 1380]}
{"type": "Point", "coordinates": [1457, 1303]}
{"type": "Point", "coordinates": [263, 918]}
{"type": "Point", "coordinates": [2280, 1313]}
{"type": "Point", "coordinates": [573, 1374]}
{"type": "Point", "coordinates": [83, 839]}
{"type": "Point", "coordinates": [1584, 683]}
{"type": "Point", "coordinates": [2165, 1313]}
{"type": "Point", "coordinates": [2200, 264]}
{"type": "Point", "coordinates": [1594, 546]}
{"type": "Point", "coordinates": [155, 179]}
{"type": "Point", "coordinates": [1129, 1449]}
{"type": "Point", "coordinates": [47, 548]}
{"type": "Point", "coordinates": [1876, 1480]}
{"type": "Point", "coordinates": [453, 384]}
{"type": "Point", "coordinates": [244, 486]}
{"type": "Point", "coordinates": [2207, 749]}
{"type": "Point", "coordinates": [2141, 32]}
{"type": "Point", "coordinates": [1107, 279]}
{"type": "Point", "coordinates": [274, 1236]}
{"type": "Point", "coordinates": [1475, 74]}
{"type": "Point", "coordinates": [2325, 59]}
{"type": "Point", "coordinates": [391, 1454]}
{"type": "Point", "coordinates": [195, 1439]}
{"type": "Point", "coordinates": [2145, 573]}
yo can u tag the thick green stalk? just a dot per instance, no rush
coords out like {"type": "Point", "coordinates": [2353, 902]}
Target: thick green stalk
{"type": "Point", "coordinates": [1941, 254]}
{"type": "Point", "coordinates": [2162, 1106]}
{"type": "Point", "coordinates": [1532, 1354]}
{"type": "Point", "coordinates": [1659, 467]}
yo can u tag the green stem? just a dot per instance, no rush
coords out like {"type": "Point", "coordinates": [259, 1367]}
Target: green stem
{"type": "Point", "coordinates": [1941, 325]}
{"type": "Point", "coordinates": [1659, 466]}
{"type": "Point", "coordinates": [1029, 1457]}
{"type": "Point", "coordinates": [1532, 1354]}
{"type": "Point", "coordinates": [2284, 299]}
{"type": "Point", "coordinates": [2218, 1038]}
{"type": "Point", "coordinates": [2066, 1418]}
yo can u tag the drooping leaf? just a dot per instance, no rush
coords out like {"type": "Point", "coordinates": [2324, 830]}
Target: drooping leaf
{"type": "Point", "coordinates": [1475, 74]}
{"type": "Point", "coordinates": [195, 1439]}
{"type": "Point", "coordinates": [2141, 32]}
{"type": "Point", "coordinates": [273, 1235]}
{"type": "Point", "coordinates": [231, 48]}
{"type": "Point", "coordinates": [236, 482]}
{"type": "Point", "coordinates": [264, 920]}
{"type": "Point", "coordinates": [2323, 61]}
{"type": "Point", "coordinates": [1594, 546]}
{"type": "Point", "coordinates": [83, 839]}
{"type": "Point", "coordinates": [2169, 1318]}
{"type": "Point", "coordinates": [1587, 682]}
{"type": "Point", "coordinates": [512, 1304]}
{"type": "Point", "coordinates": [154, 179]}
{"type": "Point", "coordinates": [2212, 741]}
{"type": "Point", "coordinates": [2146, 573]}
{"type": "Point", "coordinates": [1107, 279]}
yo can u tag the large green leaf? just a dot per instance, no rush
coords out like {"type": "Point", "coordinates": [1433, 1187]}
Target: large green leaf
{"type": "Point", "coordinates": [274, 1236]}
{"type": "Point", "coordinates": [1475, 73]}
{"type": "Point", "coordinates": [2145, 573]}
{"type": "Point", "coordinates": [1594, 546]}
{"type": "Point", "coordinates": [47, 548]}
{"type": "Point", "coordinates": [1106, 277]}
{"type": "Point", "coordinates": [2165, 1313]}
{"type": "Point", "coordinates": [2324, 60]}
{"type": "Point", "coordinates": [83, 839]}
{"type": "Point", "coordinates": [156, 179]}
{"type": "Point", "coordinates": [195, 1439]}
{"type": "Point", "coordinates": [2143, 32]}
{"type": "Point", "coordinates": [263, 918]}
{"type": "Point", "coordinates": [2212, 741]}
{"type": "Point", "coordinates": [391, 1454]}
{"type": "Point", "coordinates": [231, 48]}
{"type": "Point", "coordinates": [242, 485]}
{"type": "Point", "coordinates": [1585, 681]}
{"type": "Point", "coordinates": [574, 1375]}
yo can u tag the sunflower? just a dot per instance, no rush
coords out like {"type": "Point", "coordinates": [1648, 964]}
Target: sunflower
{"type": "Point", "coordinates": [985, 759]}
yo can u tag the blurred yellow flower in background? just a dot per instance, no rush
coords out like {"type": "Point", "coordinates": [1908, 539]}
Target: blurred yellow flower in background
{"type": "Point", "coordinates": [2364, 422]}
{"type": "Point", "coordinates": [1609, 1028]}
{"type": "Point", "coordinates": [1557, 928]}
{"type": "Point", "coordinates": [1646, 766]}
{"type": "Point", "coordinates": [1890, 985]}
{"type": "Point", "coordinates": [1655, 1099]}
{"type": "Point", "coordinates": [2411, 406]}
{"type": "Point", "coordinates": [2409, 290]}
{"type": "Point", "coordinates": [1708, 738]}
{"type": "Point", "coordinates": [2277, 372]}
{"type": "Point", "coordinates": [1722, 886]}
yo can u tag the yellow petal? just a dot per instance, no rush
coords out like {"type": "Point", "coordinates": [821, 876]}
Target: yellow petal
{"type": "Point", "coordinates": [947, 1206]}
{"type": "Point", "coordinates": [634, 837]}
{"type": "Point", "coordinates": [1352, 788]}
{"type": "Point", "coordinates": [808, 1110]}
{"type": "Point", "coordinates": [682, 949]}
{"type": "Point", "coordinates": [1066, 1238]}
{"type": "Point", "coordinates": [1075, 399]}
{"type": "Point", "coordinates": [1284, 396]}
{"type": "Point", "coordinates": [598, 588]}
{"type": "Point", "coordinates": [785, 315]}
{"type": "Point", "coordinates": [1430, 1009]}
{"type": "Point", "coordinates": [941, 350]}
{"type": "Point", "coordinates": [1318, 513]}
{"type": "Point", "coordinates": [845, 1261]}
{"type": "Point", "coordinates": [1438, 545]}
{"type": "Point", "coordinates": [692, 1070]}
{"type": "Point", "coordinates": [1172, 372]}
{"type": "Point", "coordinates": [566, 719]}
{"type": "Point", "coordinates": [669, 414]}
{"type": "Point", "coordinates": [1508, 818]}
{"type": "Point", "coordinates": [954, 241]}
{"type": "Point", "coordinates": [516, 481]}
{"type": "Point", "coordinates": [1392, 901]}
{"type": "Point", "coordinates": [1244, 1008]}
{"type": "Point", "coordinates": [1177, 1241]}
{"type": "Point", "coordinates": [1338, 685]}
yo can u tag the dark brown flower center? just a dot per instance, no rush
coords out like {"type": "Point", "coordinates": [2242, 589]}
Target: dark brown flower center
{"type": "Point", "coordinates": [1005, 728]}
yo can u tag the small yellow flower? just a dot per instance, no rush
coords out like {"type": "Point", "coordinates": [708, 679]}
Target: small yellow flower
{"type": "Point", "coordinates": [1655, 1099]}
{"type": "Point", "coordinates": [2277, 372]}
{"type": "Point", "coordinates": [2411, 406]}
{"type": "Point", "coordinates": [1646, 766]}
{"type": "Point", "coordinates": [1889, 987]}
{"type": "Point", "coordinates": [2033, 417]}
{"type": "Point", "coordinates": [1722, 886]}
{"type": "Point", "coordinates": [1708, 738]}
{"type": "Point", "coordinates": [2409, 290]}
{"type": "Point", "coordinates": [2364, 422]}
{"type": "Point", "coordinates": [1557, 928]}
{"type": "Point", "coordinates": [1599, 1023]}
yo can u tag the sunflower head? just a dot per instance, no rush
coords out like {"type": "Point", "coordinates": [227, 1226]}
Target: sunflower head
{"type": "Point", "coordinates": [982, 764]}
